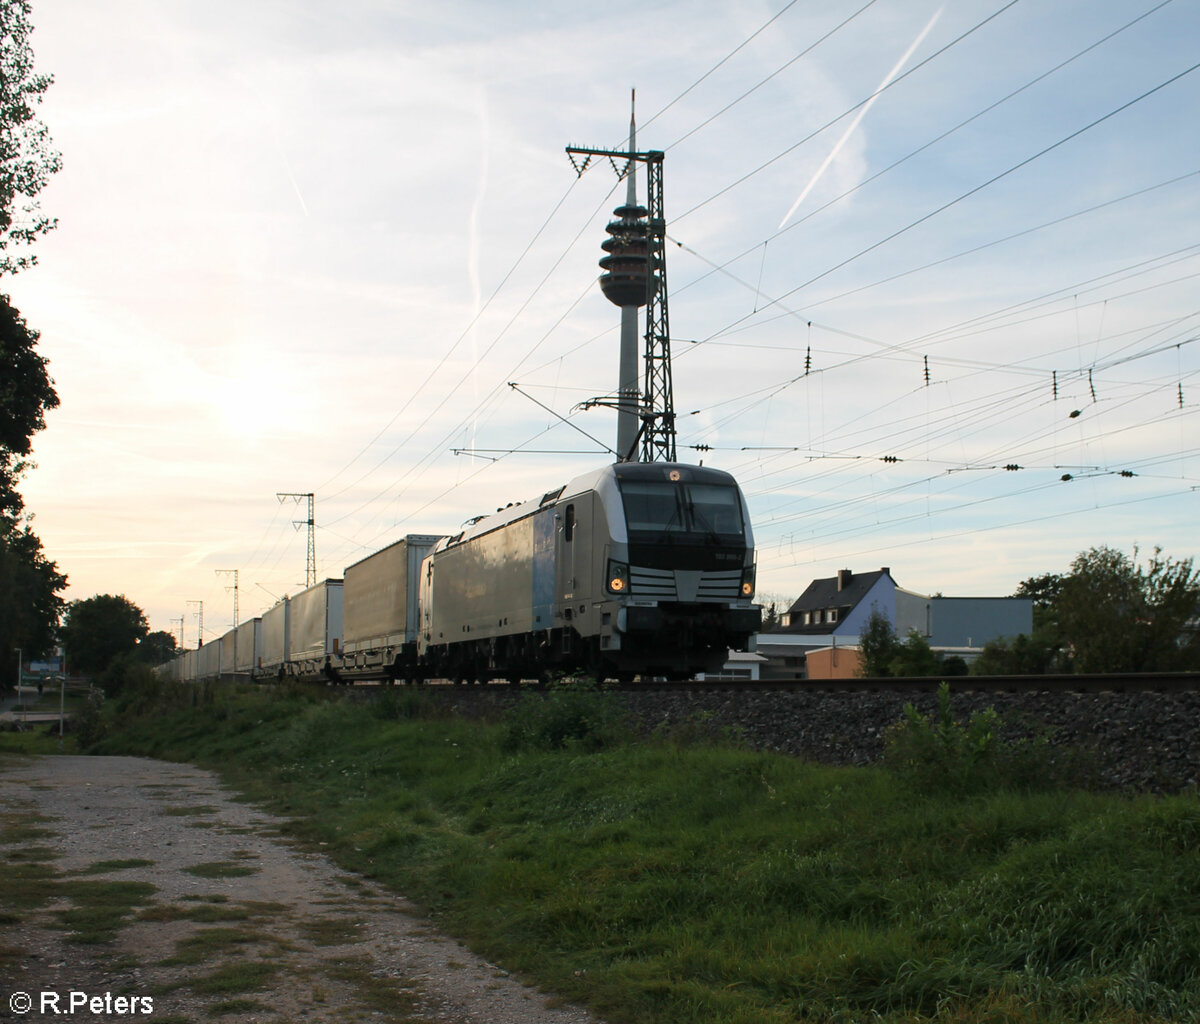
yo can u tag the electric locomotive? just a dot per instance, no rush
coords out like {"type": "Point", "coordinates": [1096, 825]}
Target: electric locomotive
{"type": "Point", "coordinates": [635, 568]}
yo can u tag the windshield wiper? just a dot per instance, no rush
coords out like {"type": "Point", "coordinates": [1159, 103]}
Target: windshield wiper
{"type": "Point", "coordinates": [700, 519]}
{"type": "Point", "coordinates": [676, 517]}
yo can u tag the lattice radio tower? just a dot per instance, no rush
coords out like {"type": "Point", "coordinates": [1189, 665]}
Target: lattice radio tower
{"type": "Point", "coordinates": [636, 275]}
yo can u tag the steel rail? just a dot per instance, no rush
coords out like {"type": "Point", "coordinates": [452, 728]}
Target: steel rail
{"type": "Point", "coordinates": [1117, 682]}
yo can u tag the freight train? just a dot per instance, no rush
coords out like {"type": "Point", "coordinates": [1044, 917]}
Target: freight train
{"type": "Point", "coordinates": [634, 569]}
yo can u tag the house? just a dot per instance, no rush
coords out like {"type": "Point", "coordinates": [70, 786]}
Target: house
{"type": "Point", "coordinates": [832, 613]}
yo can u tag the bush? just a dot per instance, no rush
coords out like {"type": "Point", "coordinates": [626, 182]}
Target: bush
{"type": "Point", "coordinates": [89, 724]}
{"type": "Point", "coordinates": [570, 713]}
{"type": "Point", "coordinates": [127, 672]}
{"type": "Point", "coordinates": [939, 754]}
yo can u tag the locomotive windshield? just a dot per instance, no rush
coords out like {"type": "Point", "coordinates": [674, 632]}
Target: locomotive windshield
{"type": "Point", "coordinates": [658, 511]}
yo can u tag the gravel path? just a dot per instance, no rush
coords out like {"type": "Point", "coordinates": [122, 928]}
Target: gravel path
{"type": "Point", "coordinates": [240, 925]}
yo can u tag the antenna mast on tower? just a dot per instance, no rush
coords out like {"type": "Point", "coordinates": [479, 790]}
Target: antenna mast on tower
{"type": "Point", "coordinates": [636, 275]}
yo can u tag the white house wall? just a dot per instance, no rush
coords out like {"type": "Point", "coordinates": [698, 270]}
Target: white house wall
{"type": "Point", "coordinates": [881, 596]}
{"type": "Point", "coordinates": [912, 613]}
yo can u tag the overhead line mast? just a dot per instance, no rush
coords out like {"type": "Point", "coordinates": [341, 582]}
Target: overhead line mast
{"type": "Point", "coordinates": [636, 275]}
{"type": "Point", "coordinates": [310, 562]}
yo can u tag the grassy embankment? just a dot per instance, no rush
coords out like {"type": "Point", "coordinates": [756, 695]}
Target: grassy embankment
{"type": "Point", "coordinates": [679, 881]}
{"type": "Point", "coordinates": [42, 737]}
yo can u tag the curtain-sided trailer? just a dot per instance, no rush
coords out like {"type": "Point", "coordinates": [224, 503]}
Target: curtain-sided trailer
{"type": "Point", "coordinates": [207, 661]}
{"type": "Point", "coordinates": [380, 611]}
{"type": "Point", "coordinates": [301, 635]}
{"type": "Point", "coordinates": [241, 651]}
{"type": "Point", "coordinates": [248, 652]}
{"type": "Point", "coordinates": [276, 623]}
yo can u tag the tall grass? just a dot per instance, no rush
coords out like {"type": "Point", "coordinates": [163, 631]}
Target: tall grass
{"type": "Point", "coordinates": [661, 881]}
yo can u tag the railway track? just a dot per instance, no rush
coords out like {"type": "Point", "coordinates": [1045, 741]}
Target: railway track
{"type": "Point", "coordinates": [1130, 682]}
{"type": "Point", "coordinates": [1127, 682]}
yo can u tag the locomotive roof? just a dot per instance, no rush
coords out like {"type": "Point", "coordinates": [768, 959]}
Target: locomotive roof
{"type": "Point", "coordinates": [589, 481]}
{"type": "Point", "coordinates": [672, 471]}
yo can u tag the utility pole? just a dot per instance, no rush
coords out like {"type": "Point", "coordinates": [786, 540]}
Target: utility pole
{"type": "Point", "coordinates": [200, 631]}
{"type": "Point", "coordinates": [310, 565]}
{"type": "Point", "coordinates": [234, 588]}
{"type": "Point", "coordinates": [636, 241]}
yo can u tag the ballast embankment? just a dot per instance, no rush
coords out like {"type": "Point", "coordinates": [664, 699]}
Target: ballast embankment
{"type": "Point", "coordinates": [1147, 741]}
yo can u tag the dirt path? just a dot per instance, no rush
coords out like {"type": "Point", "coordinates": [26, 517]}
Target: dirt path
{"type": "Point", "coordinates": [202, 908]}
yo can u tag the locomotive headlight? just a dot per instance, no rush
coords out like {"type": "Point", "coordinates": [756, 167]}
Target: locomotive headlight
{"type": "Point", "coordinates": [618, 577]}
{"type": "Point", "coordinates": [748, 581]}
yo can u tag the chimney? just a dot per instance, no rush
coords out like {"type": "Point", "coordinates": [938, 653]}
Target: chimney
{"type": "Point", "coordinates": [844, 576]}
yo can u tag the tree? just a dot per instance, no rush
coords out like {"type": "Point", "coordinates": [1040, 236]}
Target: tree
{"type": "Point", "coordinates": [1044, 591]}
{"type": "Point", "coordinates": [883, 655]}
{"type": "Point", "coordinates": [29, 601]}
{"type": "Point", "coordinates": [27, 159]}
{"type": "Point", "coordinates": [1117, 616]}
{"type": "Point", "coordinates": [29, 583]}
{"type": "Point", "coordinates": [100, 628]}
{"type": "Point", "coordinates": [914, 657]}
{"type": "Point", "coordinates": [157, 648]}
{"type": "Point", "coordinates": [26, 393]}
{"type": "Point", "coordinates": [1021, 656]}
{"type": "Point", "coordinates": [877, 646]}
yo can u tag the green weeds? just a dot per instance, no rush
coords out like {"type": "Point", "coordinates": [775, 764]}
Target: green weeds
{"type": "Point", "coordinates": [940, 754]}
{"type": "Point", "coordinates": [41, 738]}
{"type": "Point", "coordinates": [206, 943]}
{"type": "Point", "coordinates": [221, 869]}
{"type": "Point", "coordinates": [331, 931]}
{"type": "Point", "coordinates": [574, 713]}
{"type": "Point", "coordinates": [187, 810]}
{"type": "Point", "coordinates": [100, 909]}
{"type": "Point", "coordinates": [212, 909]}
{"type": "Point", "coordinates": [234, 978]}
{"type": "Point", "coordinates": [104, 867]}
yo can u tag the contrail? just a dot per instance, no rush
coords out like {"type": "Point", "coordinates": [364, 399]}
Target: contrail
{"type": "Point", "coordinates": [287, 169]}
{"type": "Point", "coordinates": [861, 114]}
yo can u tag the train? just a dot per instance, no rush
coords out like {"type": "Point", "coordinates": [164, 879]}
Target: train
{"type": "Point", "coordinates": [632, 570]}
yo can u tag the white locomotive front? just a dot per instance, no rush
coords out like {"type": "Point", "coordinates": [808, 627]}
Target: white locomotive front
{"type": "Point", "coordinates": [636, 568]}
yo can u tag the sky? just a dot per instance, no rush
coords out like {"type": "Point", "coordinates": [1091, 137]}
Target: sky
{"type": "Point", "coordinates": [306, 248]}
